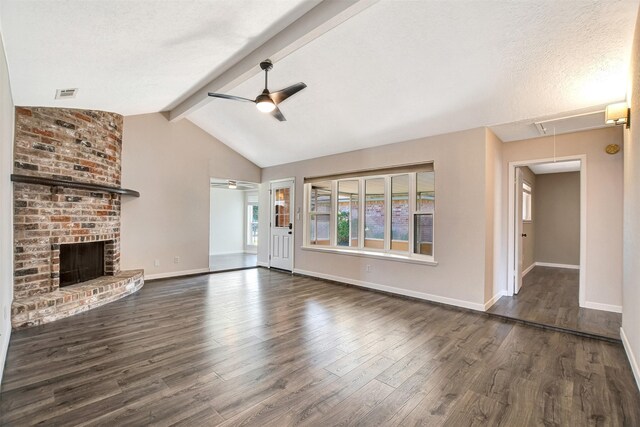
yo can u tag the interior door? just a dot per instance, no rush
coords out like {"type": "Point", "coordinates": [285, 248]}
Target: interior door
{"type": "Point", "coordinates": [519, 244]}
{"type": "Point", "coordinates": [281, 239]}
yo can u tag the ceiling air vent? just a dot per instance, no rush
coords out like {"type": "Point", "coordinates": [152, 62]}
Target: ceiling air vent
{"type": "Point", "coordinates": [66, 93]}
{"type": "Point", "coordinates": [575, 123]}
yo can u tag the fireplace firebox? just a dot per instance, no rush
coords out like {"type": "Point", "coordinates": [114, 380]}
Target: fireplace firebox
{"type": "Point", "coordinates": [80, 262]}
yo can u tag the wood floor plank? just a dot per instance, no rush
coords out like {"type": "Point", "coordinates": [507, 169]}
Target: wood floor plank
{"type": "Point", "coordinates": [549, 296]}
{"type": "Point", "coordinates": [264, 348]}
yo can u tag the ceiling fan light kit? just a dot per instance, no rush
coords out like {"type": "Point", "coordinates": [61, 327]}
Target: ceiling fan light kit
{"type": "Point", "coordinates": [264, 103]}
{"type": "Point", "coordinates": [267, 102]}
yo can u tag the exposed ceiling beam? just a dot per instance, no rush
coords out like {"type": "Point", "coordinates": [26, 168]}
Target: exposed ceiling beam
{"type": "Point", "coordinates": [319, 20]}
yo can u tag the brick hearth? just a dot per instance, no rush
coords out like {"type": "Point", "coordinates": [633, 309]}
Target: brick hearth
{"type": "Point", "coordinates": [70, 145]}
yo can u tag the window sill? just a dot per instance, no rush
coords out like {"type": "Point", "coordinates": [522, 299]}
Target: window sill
{"type": "Point", "coordinates": [371, 254]}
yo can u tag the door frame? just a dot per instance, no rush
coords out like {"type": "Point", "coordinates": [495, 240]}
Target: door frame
{"type": "Point", "coordinates": [518, 224]}
{"type": "Point", "coordinates": [293, 218]}
{"type": "Point", "coordinates": [511, 186]}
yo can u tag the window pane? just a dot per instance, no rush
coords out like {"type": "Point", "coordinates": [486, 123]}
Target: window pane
{"type": "Point", "coordinates": [252, 225]}
{"type": "Point", "coordinates": [526, 206]}
{"type": "Point", "coordinates": [347, 223]}
{"type": "Point", "coordinates": [425, 192]}
{"type": "Point", "coordinates": [320, 218]}
{"type": "Point", "coordinates": [374, 213]}
{"type": "Point", "coordinates": [423, 239]}
{"type": "Point", "coordinates": [400, 213]}
{"type": "Point", "coordinates": [320, 229]}
{"type": "Point", "coordinates": [282, 207]}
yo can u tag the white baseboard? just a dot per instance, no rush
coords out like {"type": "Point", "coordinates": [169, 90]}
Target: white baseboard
{"type": "Point", "coordinates": [603, 307]}
{"type": "Point", "coordinates": [552, 264]}
{"type": "Point", "coordinates": [496, 297]}
{"type": "Point", "coordinates": [528, 269]}
{"type": "Point", "coordinates": [394, 290]}
{"type": "Point", "coordinates": [632, 357]}
{"type": "Point", "coordinates": [4, 346]}
{"type": "Point", "coordinates": [175, 274]}
{"type": "Point", "coordinates": [263, 264]}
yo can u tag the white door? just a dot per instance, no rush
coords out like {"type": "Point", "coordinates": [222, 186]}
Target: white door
{"type": "Point", "coordinates": [519, 253]}
{"type": "Point", "coordinates": [281, 239]}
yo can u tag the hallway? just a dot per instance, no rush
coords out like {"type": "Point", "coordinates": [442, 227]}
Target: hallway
{"type": "Point", "coordinates": [549, 296]}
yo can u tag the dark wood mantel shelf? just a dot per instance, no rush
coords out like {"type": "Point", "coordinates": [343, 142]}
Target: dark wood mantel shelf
{"type": "Point", "coordinates": [27, 179]}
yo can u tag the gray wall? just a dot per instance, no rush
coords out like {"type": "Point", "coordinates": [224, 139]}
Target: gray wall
{"type": "Point", "coordinates": [556, 206]}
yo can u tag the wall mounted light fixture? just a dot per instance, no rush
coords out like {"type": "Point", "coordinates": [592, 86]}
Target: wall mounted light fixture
{"type": "Point", "coordinates": [618, 114]}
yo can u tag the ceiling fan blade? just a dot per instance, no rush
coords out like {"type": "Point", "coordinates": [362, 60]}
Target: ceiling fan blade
{"type": "Point", "coordinates": [278, 114]}
{"type": "Point", "coordinates": [233, 98]}
{"type": "Point", "coordinates": [283, 94]}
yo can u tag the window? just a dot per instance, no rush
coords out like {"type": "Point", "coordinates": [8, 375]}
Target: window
{"type": "Point", "coordinates": [423, 217]}
{"type": "Point", "coordinates": [400, 213]}
{"type": "Point", "coordinates": [320, 214]}
{"type": "Point", "coordinates": [281, 207]}
{"type": "Point", "coordinates": [348, 201]}
{"type": "Point", "coordinates": [252, 223]}
{"type": "Point", "coordinates": [374, 213]}
{"type": "Point", "coordinates": [526, 201]}
{"type": "Point", "coordinates": [397, 208]}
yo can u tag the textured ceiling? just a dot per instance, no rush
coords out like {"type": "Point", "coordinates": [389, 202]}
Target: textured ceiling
{"type": "Point", "coordinates": [398, 70]}
{"type": "Point", "coordinates": [131, 57]}
{"type": "Point", "coordinates": [403, 70]}
{"type": "Point", "coordinates": [557, 167]}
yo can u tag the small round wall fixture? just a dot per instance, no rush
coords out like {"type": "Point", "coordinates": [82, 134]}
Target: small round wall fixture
{"type": "Point", "coordinates": [612, 149]}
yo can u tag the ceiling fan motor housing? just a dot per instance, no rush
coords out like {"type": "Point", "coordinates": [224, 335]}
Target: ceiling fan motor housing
{"type": "Point", "coordinates": [266, 65]}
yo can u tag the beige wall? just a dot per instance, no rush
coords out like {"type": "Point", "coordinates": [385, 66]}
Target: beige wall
{"type": "Point", "coordinates": [7, 112]}
{"type": "Point", "coordinates": [494, 275]}
{"type": "Point", "coordinates": [631, 287]}
{"type": "Point", "coordinates": [170, 164]}
{"type": "Point", "coordinates": [604, 203]}
{"type": "Point", "coordinates": [460, 228]}
{"type": "Point", "coordinates": [557, 217]}
{"type": "Point", "coordinates": [226, 228]}
{"type": "Point", "coordinates": [529, 227]}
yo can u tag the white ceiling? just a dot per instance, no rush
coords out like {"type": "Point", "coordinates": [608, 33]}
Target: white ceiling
{"type": "Point", "coordinates": [131, 57]}
{"type": "Point", "coordinates": [396, 71]}
{"type": "Point", "coordinates": [403, 70]}
{"type": "Point", "coordinates": [557, 167]}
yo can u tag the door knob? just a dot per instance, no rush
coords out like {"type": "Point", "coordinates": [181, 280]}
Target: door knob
{"type": "Point", "coordinates": [524, 235]}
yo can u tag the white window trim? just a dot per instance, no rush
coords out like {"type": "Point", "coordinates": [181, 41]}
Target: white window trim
{"type": "Point", "coordinates": [395, 255]}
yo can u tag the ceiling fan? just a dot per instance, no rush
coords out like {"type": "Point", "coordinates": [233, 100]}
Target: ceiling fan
{"type": "Point", "coordinates": [267, 102]}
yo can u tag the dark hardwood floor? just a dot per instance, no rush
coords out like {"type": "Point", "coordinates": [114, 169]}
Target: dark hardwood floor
{"type": "Point", "coordinates": [549, 296]}
{"type": "Point", "coordinates": [259, 347]}
{"type": "Point", "coordinates": [232, 261]}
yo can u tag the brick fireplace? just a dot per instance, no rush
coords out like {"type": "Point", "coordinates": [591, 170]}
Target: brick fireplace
{"type": "Point", "coordinates": [66, 147]}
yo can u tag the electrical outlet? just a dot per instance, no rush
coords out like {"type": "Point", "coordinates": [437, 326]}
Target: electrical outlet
{"type": "Point", "coordinates": [156, 263]}
{"type": "Point", "coordinates": [368, 267]}
{"type": "Point", "coordinates": [176, 260]}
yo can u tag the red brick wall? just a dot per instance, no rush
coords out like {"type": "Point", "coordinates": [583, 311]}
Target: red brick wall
{"type": "Point", "coordinates": [73, 145]}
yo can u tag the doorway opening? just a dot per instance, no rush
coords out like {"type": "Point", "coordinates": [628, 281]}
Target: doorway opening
{"type": "Point", "coordinates": [547, 248]}
{"type": "Point", "coordinates": [233, 225]}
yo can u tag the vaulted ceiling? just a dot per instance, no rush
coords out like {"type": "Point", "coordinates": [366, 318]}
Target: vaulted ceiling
{"type": "Point", "coordinates": [393, 71]}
